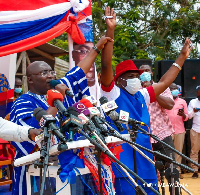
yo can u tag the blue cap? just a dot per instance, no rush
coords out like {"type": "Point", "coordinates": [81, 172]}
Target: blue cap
{"type": "Point", "coordinates": [87, 30]}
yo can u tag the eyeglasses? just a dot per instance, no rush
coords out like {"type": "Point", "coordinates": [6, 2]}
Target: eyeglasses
{"type": "Point", "coordinates": [45, 73]}
{"type": "Point", "coordinates": [82, 51]}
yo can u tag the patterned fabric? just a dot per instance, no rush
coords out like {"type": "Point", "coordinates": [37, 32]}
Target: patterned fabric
{"type": "Point", "coordinates": [22, 114]}
{"type": "Point", "coordinates": [137, 107]}
{"type": "Point", "coordinates": [176, 120]}
{"type": "Point", "coordinates": [4, 84]}
{"type": "Point", "coordinates": [6, 96]}
{"type": "Point", "coordinates": [160, 124]}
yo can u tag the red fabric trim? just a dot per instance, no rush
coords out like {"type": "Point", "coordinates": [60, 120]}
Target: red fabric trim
{"type": "Point", "coordinates": [13, 5]}
{"type": "Point", "coordinates": [151, 94]}
{"type": "Point", "coordinates": [6, 95]}
{"type": "Point", "coordinates": [108, 89]}
{"type": "Point", "coordinates": [70, 27]}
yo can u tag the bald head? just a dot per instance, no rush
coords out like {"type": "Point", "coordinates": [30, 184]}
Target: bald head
{"type": "Point", "coordinates": [36, 67]}
{"type": "Point", "coordinates": [38, 82]}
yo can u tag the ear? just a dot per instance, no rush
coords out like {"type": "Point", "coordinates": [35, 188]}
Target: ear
{"type": "Point", "coordinates": [29, 79]}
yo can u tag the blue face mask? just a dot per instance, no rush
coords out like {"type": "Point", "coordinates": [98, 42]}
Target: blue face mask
{"type": "Point", "coordinates": [145, 76]}
{"type": "Point", "coordinates": [175, 92]}
{"type": "Point", "coordinates": [18, 90]}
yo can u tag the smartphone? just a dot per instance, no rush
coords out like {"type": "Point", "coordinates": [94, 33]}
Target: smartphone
{"type": "Point", "coordinates": [198, 108]}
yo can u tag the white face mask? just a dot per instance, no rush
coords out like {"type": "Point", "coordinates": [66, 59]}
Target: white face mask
{"type": "Point", "coordinates": [133, 85]}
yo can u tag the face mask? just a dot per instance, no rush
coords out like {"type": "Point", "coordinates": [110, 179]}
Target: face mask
{"type": "Point", "coordinates": [133, 85]}
{"type": "Point", "coordinates": [175, 92]}
{"type": "Point", "coordinates": [18, 90]}
{"type": "Point", "coordinates": [145, 76]}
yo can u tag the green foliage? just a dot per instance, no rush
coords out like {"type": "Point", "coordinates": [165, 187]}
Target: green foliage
{"type": "Point", "coordinates": [146, 29]}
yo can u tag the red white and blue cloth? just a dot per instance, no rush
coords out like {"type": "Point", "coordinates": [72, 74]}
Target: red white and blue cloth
{"type": "Point", "coordinates": [25, 24]}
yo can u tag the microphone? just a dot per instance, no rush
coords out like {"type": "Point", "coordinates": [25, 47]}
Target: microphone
{"type": "Point", "coordinates": [72, 123]}
{"type": "Point", "coordinates": [95, 116]}
{"type": "Point", "coordinates": [86, 102]}
{"type": "Point", "coordinates": [91, 98]}
{"type": "Point", "coordinates": [123, 117]}
{"type": "Point", "coordinates": [47, 120]}
{"type": "Point", "coordinates": [54, 99]}
{"type": "Point", "coordinates": [53, 83]}
{"type": "Point", "coordinates": [81, 108]}
{"type": "Point", "coordinates": [109, 108]}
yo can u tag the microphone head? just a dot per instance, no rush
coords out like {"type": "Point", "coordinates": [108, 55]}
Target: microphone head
{"type": "Point", "coordinates": [81, 108]}
{"type": "Point", "coordinates": [72, 110]}
{"type": "Point", "coordinates": [53, 95]}
{"type": "Point", "coordinates": [84, 96]}
{"type": "Point", "coordinates": [103, 100]}
{"type": "Point", "coordinates": [38, 113]}
{"type": "Point", "coordinates": [53, 83]}
{"type": "Point", "coordinates": [114, 116]}
{"type": "Point", "coordinates": [86, 102]}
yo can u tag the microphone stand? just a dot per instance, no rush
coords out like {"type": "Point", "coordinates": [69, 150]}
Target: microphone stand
{"type": "Point", "coordinates": [171, 173]}
{"type": "Point", "coordinates": [106, 151]}
{"type": "Point", "coordinates": [114, 132]}
{"type": "Point", "coordinates": [44, 158]}
{"type": "Point", "coordinates": [155, 153]}
{"type": "Point", "coordinates": [133, 136]}
{"type": "Point", "coordinates": [173, 149]}
{"type": "Point", "coordinates": [97, 153]}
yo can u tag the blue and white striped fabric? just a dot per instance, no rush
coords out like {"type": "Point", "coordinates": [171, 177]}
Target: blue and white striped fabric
{"type": "Point", "coordinates": [22, 114]}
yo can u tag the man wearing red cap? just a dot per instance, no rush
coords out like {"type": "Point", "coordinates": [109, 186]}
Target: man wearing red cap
{"type": "Point", "coordinates": [126, 90]}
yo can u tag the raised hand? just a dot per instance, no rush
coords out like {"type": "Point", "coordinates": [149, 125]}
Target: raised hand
{"type": "Point", "coordinates": [110, 22]}
{"type": "Point", "coordinates": [185, 52]}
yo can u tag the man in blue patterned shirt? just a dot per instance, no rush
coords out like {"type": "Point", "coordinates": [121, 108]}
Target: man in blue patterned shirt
{"type": "Point", "coordinates": [39, 75]}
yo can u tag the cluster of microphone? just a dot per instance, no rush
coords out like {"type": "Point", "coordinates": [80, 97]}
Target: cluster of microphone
{"type": "Point", "coordinates": [85, 118]}
{"type": "Point", "coordinates": [81, 115]}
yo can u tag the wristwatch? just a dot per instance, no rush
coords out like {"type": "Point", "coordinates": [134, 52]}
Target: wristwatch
{"type": "Point", "coordinates": [96, 49]}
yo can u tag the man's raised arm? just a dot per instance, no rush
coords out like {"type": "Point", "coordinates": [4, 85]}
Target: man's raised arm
{"type": "Point", "coordinates": [168, 78]}
{"type": "Point", "coordinates": [106, 57]}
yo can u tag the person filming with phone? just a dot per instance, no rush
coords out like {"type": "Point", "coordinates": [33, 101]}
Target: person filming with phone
{"type": "Point", "coordinates": [193, 111]}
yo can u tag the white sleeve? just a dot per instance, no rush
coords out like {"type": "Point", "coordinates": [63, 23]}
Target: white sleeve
{"type": "Point", "coordinates": [191, 112]}
{"type": "Point", "coordinates": [10, 131]}
{"type": "Point", "coordinates": [113, 94]}
{"type": "Point", "coordinates": [146, 95]}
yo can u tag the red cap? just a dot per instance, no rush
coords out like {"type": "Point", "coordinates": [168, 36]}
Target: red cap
{"type": "Point", "coordinates": [125, 66]}
{"type": "Point", "coordinates": [53, 95]}
{"type": "Point", "coordinates": [86, 102]}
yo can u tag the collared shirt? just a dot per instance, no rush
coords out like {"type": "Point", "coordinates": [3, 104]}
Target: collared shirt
{"type": "Point", "coordinates": [194, 103]}
{"type": "Point", "coordinates": [160, 124]}
{"type": "Point", "coordinates": [176, 120]}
